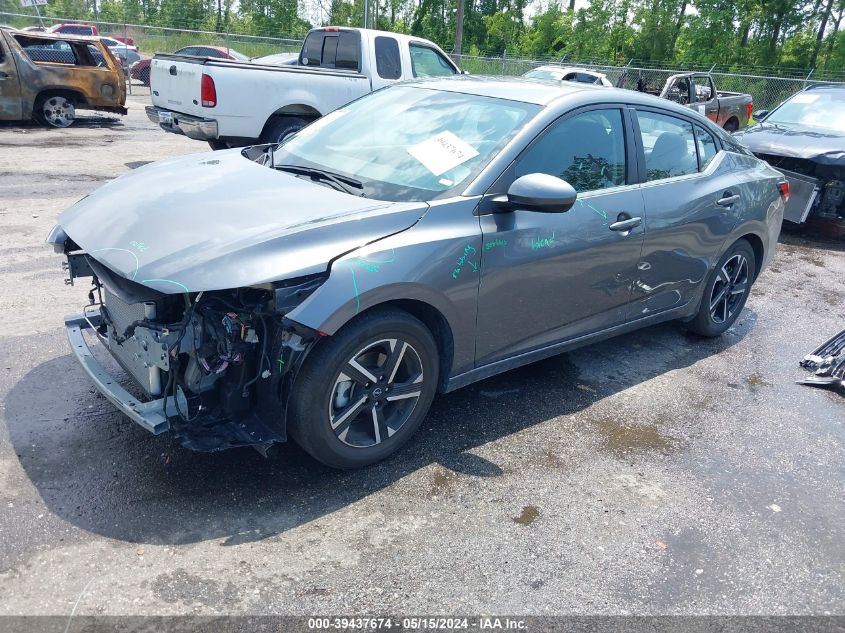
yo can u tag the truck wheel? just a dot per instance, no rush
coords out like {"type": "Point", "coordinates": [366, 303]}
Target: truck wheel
{"type": "Point", "coordinates": [54, 110]}
{"type": "Point", "coordinates": [363, 392]}
{"type": "Point", "coordinates": [731, 125]}
{"type": "Point", "coordinates": [278, 128]}
{"type": "Point", "coordinates": [726, 292]}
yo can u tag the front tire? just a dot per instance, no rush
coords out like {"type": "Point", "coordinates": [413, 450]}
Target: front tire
{"type": "Point", "coordinates": [363, 392]}
{"type": "Point", "coordinates": [726, 292]}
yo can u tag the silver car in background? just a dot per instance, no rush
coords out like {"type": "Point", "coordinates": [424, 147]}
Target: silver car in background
{"type": "Point", "coordinates": [419, 239]}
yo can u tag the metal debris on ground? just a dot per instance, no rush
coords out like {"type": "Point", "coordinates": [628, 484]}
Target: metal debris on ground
{"type": "Point", "coordinates": [827, 364]}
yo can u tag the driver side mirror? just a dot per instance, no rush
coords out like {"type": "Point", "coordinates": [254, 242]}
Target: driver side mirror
{"type": "Point", "coordinates": [538, 192]}
{"type": "Point", "coordinates": [759, 115]}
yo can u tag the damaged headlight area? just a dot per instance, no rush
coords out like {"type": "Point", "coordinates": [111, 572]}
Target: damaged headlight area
{"type": "Point", "coordinates": [817, 185]}
{"type": "Point", "coordinates": [214, 367]}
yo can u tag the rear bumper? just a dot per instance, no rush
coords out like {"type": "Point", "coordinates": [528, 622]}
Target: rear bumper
{"type": "Point", "coordinates": [193, 127]}
{"type": "Point", "coordinates": [149, 415]}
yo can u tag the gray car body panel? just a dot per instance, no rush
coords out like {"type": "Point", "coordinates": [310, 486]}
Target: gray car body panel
{"type": "Point", "coordinates": [505, 302]}
{"type": "Point", "coordinates": [218, 220]}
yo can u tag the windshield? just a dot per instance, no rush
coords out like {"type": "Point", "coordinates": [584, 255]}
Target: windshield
{"type": "Point", "coordinates": [406, 143]}
{"type": "Point", "coordinates": [542, 74]}
{"type": "Point", "coordinates": [823, 109]}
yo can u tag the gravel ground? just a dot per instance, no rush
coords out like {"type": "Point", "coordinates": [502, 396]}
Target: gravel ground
{"type": "Point", "coordinates": [654, 474]}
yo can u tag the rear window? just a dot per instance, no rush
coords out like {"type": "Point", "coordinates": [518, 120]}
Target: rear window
{"type": "Point", "coordinates": [43, 51]}
{"type": "Point", "coordinates": [388, 64]}
{"type": "Point", "coordinates": [76, 30]}
{"type": "Point", "coordinates": [329, 49]}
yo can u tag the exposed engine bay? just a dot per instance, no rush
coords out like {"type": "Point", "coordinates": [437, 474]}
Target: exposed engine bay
{"type": "Point", "coordinates": [825, 183]}
{"type": "Point", "coordinates": [219, 364]}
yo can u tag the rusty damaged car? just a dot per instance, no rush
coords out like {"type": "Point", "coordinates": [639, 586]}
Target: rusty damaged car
{"type": "Point", "coordinates": [419, 239]}
{"type": "Point", "coordinates": [45, 77]}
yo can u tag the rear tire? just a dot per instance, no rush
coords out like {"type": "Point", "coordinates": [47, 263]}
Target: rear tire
{"type": "Point", "coordinates": [726, 291]}
{"type": "Point", "coordinates": [55, 110]}
{"type": "Point", "coordinates": [217, 144]}
{"type": "Point", "coordinates": [278, 128]}
{"type": "Point", "coordinates": [363, 392]}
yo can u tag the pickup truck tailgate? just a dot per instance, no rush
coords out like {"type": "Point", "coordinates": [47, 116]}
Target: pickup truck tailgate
{"type": "Point", "coordinates": [176, 85]}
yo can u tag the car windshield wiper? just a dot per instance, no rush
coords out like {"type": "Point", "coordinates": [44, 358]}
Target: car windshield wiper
{"type": "Point", "coordinates": [342, 183]}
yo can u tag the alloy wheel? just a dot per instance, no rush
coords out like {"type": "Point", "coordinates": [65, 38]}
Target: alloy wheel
{"type": "Point", "coordinates": [58, 111]}
{"type": "Point", "coordinates": [375, 392]}
{"type": "Point", "coordinates": [731, 285]}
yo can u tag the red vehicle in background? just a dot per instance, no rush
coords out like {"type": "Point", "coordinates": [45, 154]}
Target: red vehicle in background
{"type": "Point", "coordinates": [125, 40]}
{"type": "Point", "coordinates": [75, 29]}
{"type": "Point", "coordinates": [140, 70]}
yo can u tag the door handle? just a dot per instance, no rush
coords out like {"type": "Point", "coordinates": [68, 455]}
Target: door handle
{"type": "Point", "coordinates": [727, 200]}
{"type": "Point", "coordinates": [4, 75]}
{"type": "Point", "coordinates": [625, 223]}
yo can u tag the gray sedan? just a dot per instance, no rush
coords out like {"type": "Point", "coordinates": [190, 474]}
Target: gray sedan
{"type": "Point", "coordinates": [415, 241]}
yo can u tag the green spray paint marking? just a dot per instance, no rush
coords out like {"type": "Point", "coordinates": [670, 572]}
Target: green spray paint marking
{"type": "Point", "coordinates": [542, 242]}
{"type": "Point", "coordinates": [469, 249]}
{"type": "Point", "coordinates": [166, 281]}
{"type": "Point", "coordinates": [122, 250]}
{"type": "Point", "coordinates": [495, 243]}
{"type": "Point", "coordinates": [281, 364]}
{"type": "Point", "coordinates": [369, 264]}
{"type": "Point", "coordinates": [603, 214]}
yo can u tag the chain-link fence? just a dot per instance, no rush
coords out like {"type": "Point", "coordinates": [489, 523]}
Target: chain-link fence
{"type": "Point", "coordinates": [767, 90]}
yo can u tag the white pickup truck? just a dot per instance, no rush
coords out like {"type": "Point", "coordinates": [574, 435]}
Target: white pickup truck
{"type": "Point", "coordinates": [230, 103]}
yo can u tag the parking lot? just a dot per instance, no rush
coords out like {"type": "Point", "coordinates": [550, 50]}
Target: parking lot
{"type": "Point", "coordinates": [657, 473]}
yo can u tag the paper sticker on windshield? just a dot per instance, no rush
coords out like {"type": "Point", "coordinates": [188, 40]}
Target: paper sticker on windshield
{"type": "Point", "coordinates": [441, 153]}
{"type": "Point", "coordinates": [322, 122]}
{"type": "Point", "coordinates": [805, 98]}
{"type": "Point", "coordinates": [701, 109]}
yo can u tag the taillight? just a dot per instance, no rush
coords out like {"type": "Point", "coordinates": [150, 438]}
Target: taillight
{"type": "Point", "coordinates": [748, 108]}
{"type": "Point", "coordinates": [208, 93]}
{"type": "Point", "coordinates": [783, 187]}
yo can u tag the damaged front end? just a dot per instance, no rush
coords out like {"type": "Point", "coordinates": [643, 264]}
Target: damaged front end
{"type": "Point", "coordinates": [214, 367]}
{"type": "Point", "coordinates": [817, 187]}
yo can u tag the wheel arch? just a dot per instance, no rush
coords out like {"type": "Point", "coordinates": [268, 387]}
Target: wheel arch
{"type": "Point", "coordinates": [76, 95]}
{"type": "Point", "coordinates": [759, 250]}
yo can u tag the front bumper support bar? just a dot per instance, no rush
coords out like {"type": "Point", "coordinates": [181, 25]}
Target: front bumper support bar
{"type": "Point", "coordinates": [149, 415]}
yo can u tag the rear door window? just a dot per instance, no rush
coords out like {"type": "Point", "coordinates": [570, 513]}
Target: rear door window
{"type": "Point", "coordinates": [388, 64]}
{"type": "Point", "coordinates": [707, 147]}
{"type": "Point", "coordinates": [668, 144]}
{"type": "Point", "coordinates": [331, 50]}
{"type": "Point", "coordinates": [427, 62]}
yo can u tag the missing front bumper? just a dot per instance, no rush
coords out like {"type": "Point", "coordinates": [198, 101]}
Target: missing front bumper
{"type": "Point", "coordinates": [150, 415]}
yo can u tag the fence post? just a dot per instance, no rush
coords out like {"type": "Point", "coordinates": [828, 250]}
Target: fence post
{"type": "Point", "coordinates": [812, 70]}
{"type": "Point", "coordinates": [504, 57]}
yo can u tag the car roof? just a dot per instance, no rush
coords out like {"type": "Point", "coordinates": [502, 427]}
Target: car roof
{"type": "Point", "coordinates": [826, 87]}
{"type": "Point", "coordinates": [546, 92]}
{"type": "Point", "coordinates": [48, 35]}
{"type": "Point", "coordinates": [569, 69]}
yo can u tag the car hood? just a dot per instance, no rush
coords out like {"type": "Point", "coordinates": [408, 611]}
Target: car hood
{"type": "Point", "coordinates": [826, 147]}
{"type": "Point", "coordinates": [218, 220]}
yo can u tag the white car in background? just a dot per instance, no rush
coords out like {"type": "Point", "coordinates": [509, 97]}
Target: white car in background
{"type": "Point", "coordinates": [127, 52]}
{"type": "Point", "coordinates": [564, 73]}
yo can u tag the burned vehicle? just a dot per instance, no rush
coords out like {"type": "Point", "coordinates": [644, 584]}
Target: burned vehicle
{"type": "Point", "coordinates": [804, 137]}
{"type": "Point", "coordinates": [46, 77]}
{"type": "Point", "coordinates": [419, 239]}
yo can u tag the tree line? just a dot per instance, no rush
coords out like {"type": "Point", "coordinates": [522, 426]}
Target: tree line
{"type": "Point", "coordinates": [731, 34]}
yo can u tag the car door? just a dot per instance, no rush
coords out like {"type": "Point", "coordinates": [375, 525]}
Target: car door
{"type": "Point", "coordinates": [692, 202]}
{"type": "Point", "coordinates": [10, 87]}
{"type": "Point", "coordinates": [548, 277]}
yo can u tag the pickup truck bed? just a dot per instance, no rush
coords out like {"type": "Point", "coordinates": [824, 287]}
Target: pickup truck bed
{"type": "Point", "coordinates": [229, 103]}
